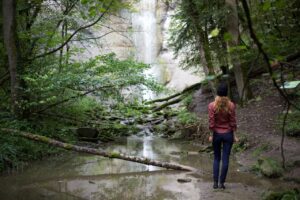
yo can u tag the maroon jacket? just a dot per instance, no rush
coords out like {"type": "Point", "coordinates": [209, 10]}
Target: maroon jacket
{"type": "Point", "coordinates": [222, 122]}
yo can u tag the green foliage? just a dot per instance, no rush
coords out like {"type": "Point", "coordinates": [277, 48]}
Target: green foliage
{"type": "Point", "coordinates": [194, 21]}
{"type": "Point", "coordinates": [261, 149]}
{"type": "Point", "coordinates": [185, 117]}
{"type": "Point", "coordinates": [187, 100]}
{"type": "Point", "coordinates": [293, 124]}
{"type": "Point", "coordinates": [204, 24]}
{"type": "Point", "coordinates": [15, 151]}
{"type": "Point", "coordinates": [292, 194]}
{"type": "Point", "coordinates": [59, 90]}
{"type": "Point", "coordinates": [268, 167]}
{"type": "Point", "coordinates": [277, 25]}
{"type": "Point", "coordinates": [97, 75]}
{"type": "Point", "coordinates": [242, 145]}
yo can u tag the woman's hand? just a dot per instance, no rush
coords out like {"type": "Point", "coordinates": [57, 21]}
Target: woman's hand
{"type": "Point", "coordinates": [210, 138]}
{"type": "Point", "coordinates": [236, 139]}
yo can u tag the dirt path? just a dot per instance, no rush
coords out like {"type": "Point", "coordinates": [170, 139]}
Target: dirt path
{"type": "Point", "coordinates": [259, 122]}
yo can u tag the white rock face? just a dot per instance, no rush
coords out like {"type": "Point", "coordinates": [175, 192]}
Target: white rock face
{"type": "Point", "coordinates": [174, 76]}
{"type": "Point", "coordinates": [142, 35]}
{"type": "Point", "coordinates": [112, 35]}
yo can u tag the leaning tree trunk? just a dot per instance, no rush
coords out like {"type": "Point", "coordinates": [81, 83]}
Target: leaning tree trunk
{"type": "Point", "coordinates": [202, 45]}
{"type": "Point", "coordinates": [233, 28]}
{"type": "Point", "coordinates": [121, 156]}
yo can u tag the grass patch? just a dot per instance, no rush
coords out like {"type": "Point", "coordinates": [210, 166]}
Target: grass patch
{"type": "Point", "coordinates": [282, 195]}
{"type": "Point", "coordinates": [242, 145]}
{"type": "Point", "coordinates": [268, 167]}
{"type": "Point", "coordinates": [259, 150]}
{"type": "Point", "coordinates": [292, 127]}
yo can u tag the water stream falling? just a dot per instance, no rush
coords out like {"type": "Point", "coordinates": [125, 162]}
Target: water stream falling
{"type": "Point", "coordinates": [144, 25]}
{"type": "Point", "coordinates": [145, 39]}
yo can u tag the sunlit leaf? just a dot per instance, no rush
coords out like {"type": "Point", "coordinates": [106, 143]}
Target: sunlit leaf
{"type": "Point", "coordinates": [84, 1]}
{"type": "Point", "coordinates": [214, 33]}
{"type": "Point", "coordinates": [266, 6]}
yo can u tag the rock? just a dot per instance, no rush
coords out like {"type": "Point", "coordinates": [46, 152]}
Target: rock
{"type": "Point", "coordinates": [184, 180]}
{"type": "Point", "coordinates": [178, 152]}
{"type": "Point", "coordinates": [270, 168]}
{"type": "Point", "coordinates": [177, 135]}
{"type": "Point", "coordinates": [87, 132]}
{"type": "Point", "coordinates": [283, 195]}
{"type": "Point", "coordinates": [161, 128]}
{"type": "Point", "coordinates": [206, 149]}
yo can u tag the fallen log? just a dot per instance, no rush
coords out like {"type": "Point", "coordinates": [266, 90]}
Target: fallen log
{"type": "Point", "coordinates": [174, 101]}
{"type": "Point", "coordinates": [186, 90]}
{"type": "Point", "coordinates": [93, 151]}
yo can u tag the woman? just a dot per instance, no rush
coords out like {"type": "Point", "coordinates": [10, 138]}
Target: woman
{"type": "Point", "coordinates": [222, 123]}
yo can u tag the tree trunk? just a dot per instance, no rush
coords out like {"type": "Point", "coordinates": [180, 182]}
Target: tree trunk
{"type": "Point", "coordinates": [233, 29]}
{"type": "Point", "coordinates": [10, 40]}
{"type": "Point", "coordinates": [202, 46]}
{"type": "Point", "coordinates": [93, 151]}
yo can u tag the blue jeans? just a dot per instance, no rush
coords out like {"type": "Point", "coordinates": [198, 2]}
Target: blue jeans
{"type": "Point", "coordinates": [225, 140]}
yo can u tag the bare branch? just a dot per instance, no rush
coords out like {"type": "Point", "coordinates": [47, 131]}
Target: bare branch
{"type": "Point", "coordinates": [73, 34]}
{"type": "Point", "coordinates": [4, 78]}
{"type": "Point", "coordinates": [73, 97]}
{"type": "Point", "coordinates": [94, 38]}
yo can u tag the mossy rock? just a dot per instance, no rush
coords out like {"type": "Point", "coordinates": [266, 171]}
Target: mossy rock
{"type": "Point", "coordinates": [160, 128]}
{"type": "Point", "coordinates": [270, 168]}
{"type": "Point", "coordinates": [284, 195]}
{"type": "Point", "coordinates": [292, 124]}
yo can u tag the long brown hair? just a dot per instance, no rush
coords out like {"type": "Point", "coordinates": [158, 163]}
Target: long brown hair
{"type": "Point", "coordinates": [222, 104]}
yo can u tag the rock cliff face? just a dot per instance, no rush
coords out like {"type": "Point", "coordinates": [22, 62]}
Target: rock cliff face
{"type": "Point", "coordinates": [173, 75]}
{"type": "Point", "coordinates": [143, 35]}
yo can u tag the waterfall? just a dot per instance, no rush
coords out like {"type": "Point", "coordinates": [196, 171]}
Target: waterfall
{"type": "Point", "coordinates": [144, 25]}
{"type": "Point", "coordinates": [145, 38]}
{"type": "Point", "coordinates": [149, 38]}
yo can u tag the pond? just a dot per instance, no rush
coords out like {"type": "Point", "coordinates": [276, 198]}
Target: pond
{"type": "Point", "coordinates": [79, 176]}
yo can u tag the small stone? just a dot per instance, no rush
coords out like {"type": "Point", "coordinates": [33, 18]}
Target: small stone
{"type": "Point", "coordinates": [184, 180]}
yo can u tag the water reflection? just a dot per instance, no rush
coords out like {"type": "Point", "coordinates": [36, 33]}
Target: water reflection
{"type": "Point", "coordinates": [77, 176]}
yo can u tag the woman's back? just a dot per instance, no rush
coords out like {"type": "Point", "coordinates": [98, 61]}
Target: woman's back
{"type": "Point", "coordinates": [222, 119]}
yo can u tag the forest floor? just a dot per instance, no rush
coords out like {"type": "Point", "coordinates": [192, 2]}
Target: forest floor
{"type": "Point", "coordinates": [260, 123]}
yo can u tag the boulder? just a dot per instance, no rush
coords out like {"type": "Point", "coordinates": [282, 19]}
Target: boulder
{"type": "Point", "coordinates": [270, 168]}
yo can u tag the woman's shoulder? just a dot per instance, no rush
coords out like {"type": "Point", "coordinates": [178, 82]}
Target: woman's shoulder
{"type": "Point", "coordinates": [211, 105]}
{"type": "Point", "coordinates": [232, 104]}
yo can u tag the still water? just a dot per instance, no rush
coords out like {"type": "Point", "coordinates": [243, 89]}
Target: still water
{"type": "Point", "coordinates": [77, 176]}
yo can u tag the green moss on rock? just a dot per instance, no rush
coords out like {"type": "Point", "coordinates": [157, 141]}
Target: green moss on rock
{"type": "Point", "coordinates": [283, 195]}
{"type": "Point", "coordinates": [270, 168]}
